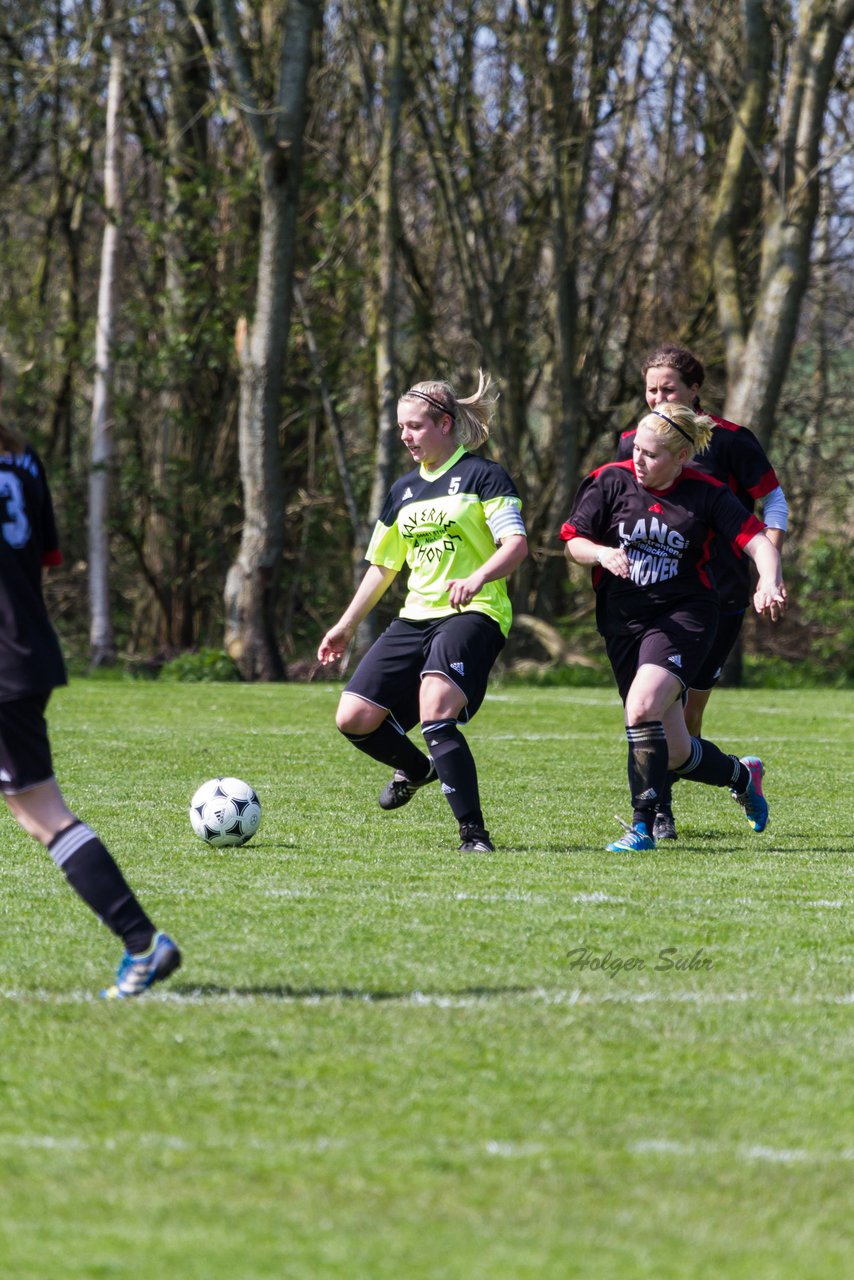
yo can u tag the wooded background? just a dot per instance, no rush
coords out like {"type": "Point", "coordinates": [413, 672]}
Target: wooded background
{"type": "Point", "coordinates": [232, 234]}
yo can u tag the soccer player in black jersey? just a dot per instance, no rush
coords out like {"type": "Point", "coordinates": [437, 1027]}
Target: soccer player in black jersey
{"type": "Point", "coordinates": [31, 666]}
{"type": "Point", "coordinates": [673, 375]}
{"type": "Point", "coordinates": [455, 521]}
{"type": "Point", "coordinates": [646, 527]}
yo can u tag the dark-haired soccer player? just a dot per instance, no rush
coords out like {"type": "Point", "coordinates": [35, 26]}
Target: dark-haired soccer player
{"type": "Point", "coordinates": [673, 375]}
{"type": "Point", "coordinates": [31, 666]}
{"type": "Point", "coordinates": [645, 527]}
{"type": "Point", "coordinates": [455, 521]}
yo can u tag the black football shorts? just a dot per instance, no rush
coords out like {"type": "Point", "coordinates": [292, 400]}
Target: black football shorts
{"type": "Point", "coordinates": [25, 758]}
{"type": "Point", "coordinates": [678, 641]}
{"type": "Point", "coordinates": [462, 647]}
{"type": "Point", "coordinates": [729, 627]}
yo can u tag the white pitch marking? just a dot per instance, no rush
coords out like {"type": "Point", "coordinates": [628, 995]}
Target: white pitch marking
{"type": "Point", "coordinates": [449, 1000]}
{"type": "Point", "coordinates": [596, 896]}
{"type": "Point", "coordinates": [513, 1150]}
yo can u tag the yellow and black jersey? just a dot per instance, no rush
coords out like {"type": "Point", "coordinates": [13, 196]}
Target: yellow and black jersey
{"type": "Point", "coordinates": [444, 524]}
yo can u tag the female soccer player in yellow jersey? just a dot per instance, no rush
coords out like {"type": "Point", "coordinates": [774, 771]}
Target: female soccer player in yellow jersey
{"type": "Point", "coordinates": [455, 521]}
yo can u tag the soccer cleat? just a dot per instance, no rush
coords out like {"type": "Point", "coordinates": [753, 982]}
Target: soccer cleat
{"type": "Point", "coordinates": [475, 839]}
{"type": "Point", "coordinates": [633, 840]}
{"type": "Point", "coordinates": [664, 827]}
{"type": "Point", "coordinates": [137, 973]}
{"type": "Point", "coordinates": [401, 789]}
{"type": "Point", "coordinates": [752, 800]}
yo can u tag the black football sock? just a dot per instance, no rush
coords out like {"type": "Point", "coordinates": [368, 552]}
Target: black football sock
{"type": "Point", "coordinates": [708, 764]}
{"type": "Point", "coordinates": [456, 769]}
{"type": "Point", "coordinates": [91, 871]}
{"type": "Point", "coordinates": [647, 768]}
{"type": "Point", "coordinates": [389, 746]}
{"type": "Point", "coordinates": [665, 800]}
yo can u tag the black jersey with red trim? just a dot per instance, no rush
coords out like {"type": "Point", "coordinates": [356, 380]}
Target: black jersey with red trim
{"type": "Point", "coordinates": [667, 535]}
{"type": "Point", "coordinates": [737, 459]}
{"type": "Point", "coordinates": [30, 656]}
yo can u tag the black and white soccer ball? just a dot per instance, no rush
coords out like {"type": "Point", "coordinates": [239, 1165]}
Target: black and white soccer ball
{"type": "Point", "coordinates": [225, 811]}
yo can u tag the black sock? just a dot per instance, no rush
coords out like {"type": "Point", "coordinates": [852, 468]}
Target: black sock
{"type": "Point", "coordinates": [456, 769]}
{"type": "Point", "coordinates": [389, 746]}
{"type": "Point", "coordinates": [665, 800]}
{"type": "Point", "coordinates": [647, 768]}
{"type": "Point", "coordinates": [91, 871]}
{"type": "Point", "coordinates": [708, 764]}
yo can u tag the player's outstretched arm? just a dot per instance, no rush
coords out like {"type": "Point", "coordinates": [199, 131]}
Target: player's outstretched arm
{"type": "Point", "coordinates": [370, 590]}
{"type": "Point", "coordinates": [770, 594]}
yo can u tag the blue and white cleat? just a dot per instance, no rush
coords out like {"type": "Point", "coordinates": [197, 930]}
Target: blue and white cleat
{"type": "Point", "coordinates": [752, 800]}
{"type": "Point", "coordinates": [634, 839]}
{"type": "Point", "coordinates": [137, 973]}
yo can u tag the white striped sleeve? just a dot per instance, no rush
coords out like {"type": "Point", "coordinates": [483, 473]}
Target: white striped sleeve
{"type": "Point", "coordinates": [505, 519]}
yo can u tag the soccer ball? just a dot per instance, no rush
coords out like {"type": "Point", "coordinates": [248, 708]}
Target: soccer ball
{"type": "Point", "coordinates": [225, 811]}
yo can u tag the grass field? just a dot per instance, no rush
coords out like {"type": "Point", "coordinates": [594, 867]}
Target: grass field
{"type": "Point", "coordinates": [384, 1060]}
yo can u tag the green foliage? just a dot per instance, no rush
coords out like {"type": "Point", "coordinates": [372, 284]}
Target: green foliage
{"type": "Point", "coordinates": [825, 589]}
{"type": "Point", "coordinates": [383, 1059]}
{"type": "Point", "coordinates": [770, 671]}
{"type": "Point", "coordinates": [568, 676]}
{"type": "Point", "coordinates": [203, 667]}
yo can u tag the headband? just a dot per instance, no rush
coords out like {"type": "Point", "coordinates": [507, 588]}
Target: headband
{"type": "Point", "coordinates": [437, 404]}
{"type": "Point", "coordinates": [681, 430]}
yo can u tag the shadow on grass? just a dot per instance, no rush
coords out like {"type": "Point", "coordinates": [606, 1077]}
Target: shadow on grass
{"type": "Point", "coordinates": [316, 994]}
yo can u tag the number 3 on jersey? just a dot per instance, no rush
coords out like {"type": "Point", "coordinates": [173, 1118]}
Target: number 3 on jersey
{"type": "Point", "coordinates": [15, 525]}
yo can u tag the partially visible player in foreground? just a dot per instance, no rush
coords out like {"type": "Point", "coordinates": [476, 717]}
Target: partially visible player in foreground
{"type": "Point", "coordinates": [455, 520]}
{"type": "Point", "coordinates": [644, 526]}
{"type": "Point", "coordinates": [31, 666]}
{"type": "Point", "coordinates": [673, 375]}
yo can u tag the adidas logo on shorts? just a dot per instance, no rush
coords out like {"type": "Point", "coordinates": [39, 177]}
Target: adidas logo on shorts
{"type": "Point", "coordinates": [676, 659]}
{"type": "Point", "coordinates": [458, 667]}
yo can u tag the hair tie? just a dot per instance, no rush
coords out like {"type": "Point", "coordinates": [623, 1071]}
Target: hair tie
{"type": "Point", "coordinates": [681, 430]}
{"type": "Point", "coordinates": [437, 404]}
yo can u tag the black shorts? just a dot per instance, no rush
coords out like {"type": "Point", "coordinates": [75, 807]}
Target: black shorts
{"type": "Point", "coordinates": [25, 759]}
{"type": "Point", "coordinates": [679, 642]}
{"type": "Point", "coordinates": [462, 647]}
{"type": "Point", "coordinates": [729, 627]}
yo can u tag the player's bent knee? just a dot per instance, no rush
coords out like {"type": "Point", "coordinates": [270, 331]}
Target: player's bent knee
{"type": "Point", "coordinates": [355, 716]}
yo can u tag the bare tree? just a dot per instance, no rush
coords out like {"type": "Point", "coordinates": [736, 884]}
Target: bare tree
{"type": "Point", "coordinates": [101, 637]}
{"type": "Point", "coordinates": [277, 133]}
{"type": "Point", "coordinates": [759, 325]}
{"type": "Point", "coordinates": [389, 232]}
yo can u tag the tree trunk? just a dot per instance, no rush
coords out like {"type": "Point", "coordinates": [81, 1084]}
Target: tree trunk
{"type": "Point", "coordinates": [386, 451]}
{"type": "Point", "coordinates": [101, 638]}
{"type": "Point", "coordinates": [759, 333]}
{"type": "Point", "coordinates": [252, 583]}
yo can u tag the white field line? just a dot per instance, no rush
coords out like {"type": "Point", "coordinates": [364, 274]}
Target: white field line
{"type": "Point", "coordinates": [598, 897]}
{"type": "Point", "coordinates": [496, 1148]}
{"type": "Point", "coordinates": [428, 999]}
{"type": "Point", "coordinates": [595, 898]}
{"type": "Point", "coordinates": [741, 1152]}
{"type": "Point", "coordinates": [158, 1142]}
